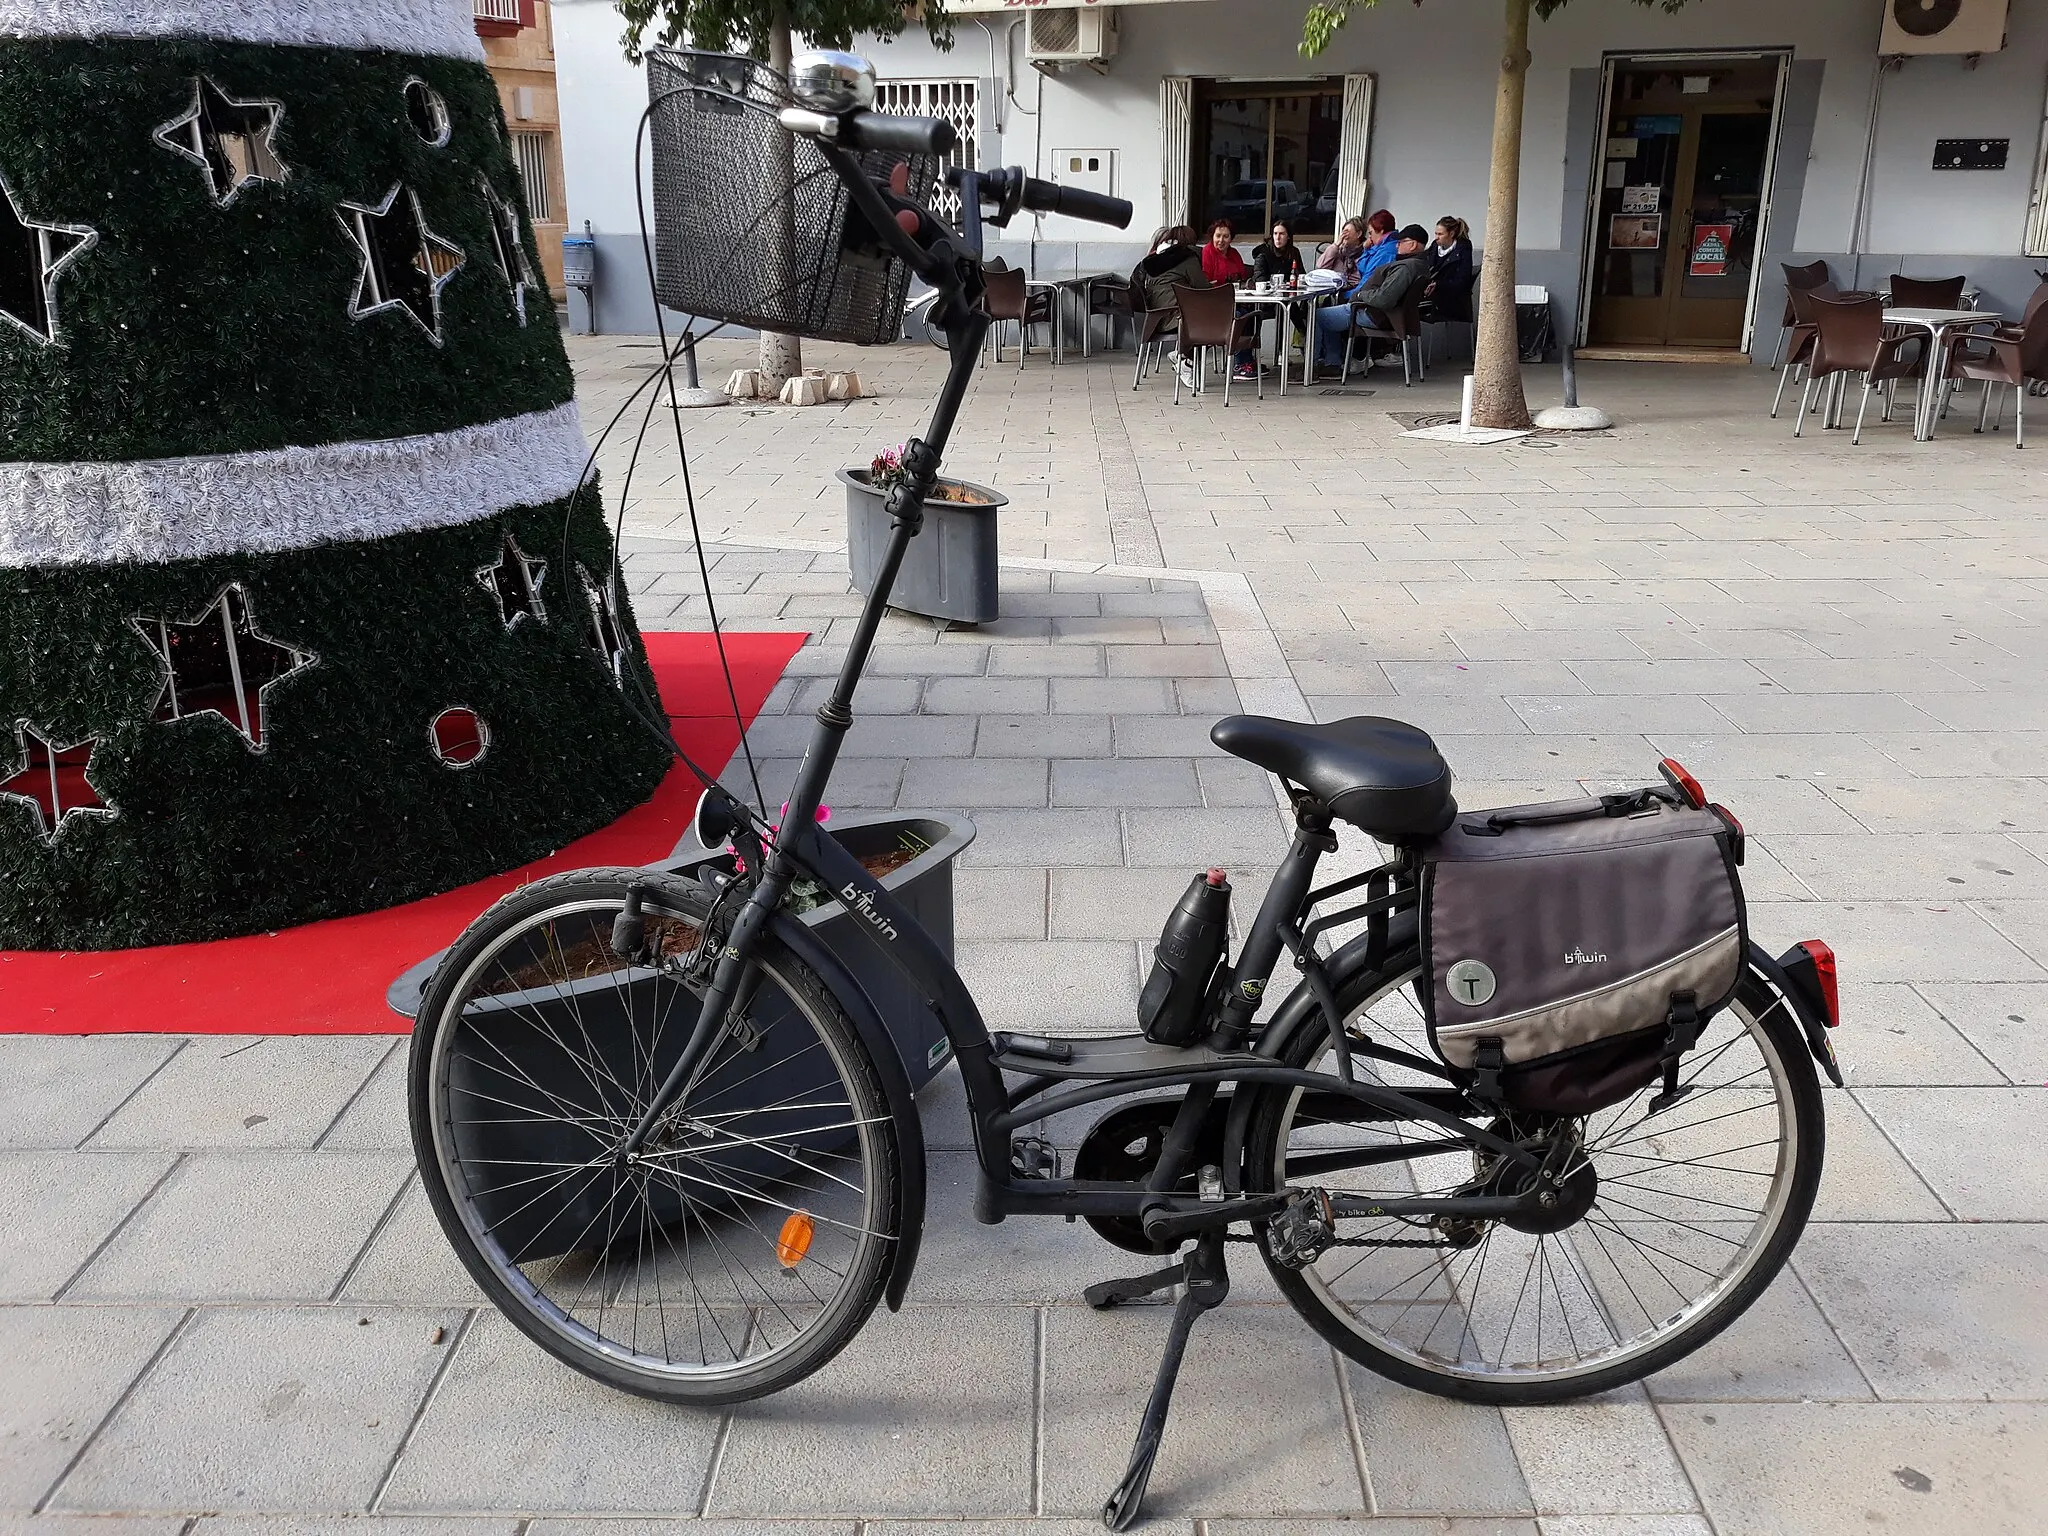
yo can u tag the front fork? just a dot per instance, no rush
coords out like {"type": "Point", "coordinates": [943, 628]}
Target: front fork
{"type": "Point", "coordinates": [834, 718]}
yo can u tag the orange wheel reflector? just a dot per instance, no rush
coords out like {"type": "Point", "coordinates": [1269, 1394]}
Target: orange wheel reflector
{"type": "Point", "coordinates": [794, 1240]}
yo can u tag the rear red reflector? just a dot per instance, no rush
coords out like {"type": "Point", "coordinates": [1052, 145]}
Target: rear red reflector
{"type": "Point", "coordinates": [1688, 786]}
{"type": "Point", "coordinates": [1823, 960]}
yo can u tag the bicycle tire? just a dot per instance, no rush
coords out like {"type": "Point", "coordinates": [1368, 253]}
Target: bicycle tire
{"type": "Point", "coordinates": [564, 1042]}
{"type": "Point", "coordinates": [1762, 1017]}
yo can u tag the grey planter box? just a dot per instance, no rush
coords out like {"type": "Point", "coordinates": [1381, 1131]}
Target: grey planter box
{"type": "Point", "coordinates": [924, 884]}
{"type": "Point", "coordinates": [949, 571]}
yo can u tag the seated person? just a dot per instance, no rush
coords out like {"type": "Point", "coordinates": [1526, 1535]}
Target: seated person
{"type": "Point", "coordinates": [1222, 264]}
{"type": "Point", "coordinates": [1450, 271]}
{"type": "Point", "coordinates": [1279, 259]}
{"type": "Point", "coordinates": [1342, 256]}
{"type": "Point", "coordinates": [1174, 259]}
{"type": "Point", "coordinates": [1384, 292]}
{"type": "Point", "coordinates": [1379, 243]}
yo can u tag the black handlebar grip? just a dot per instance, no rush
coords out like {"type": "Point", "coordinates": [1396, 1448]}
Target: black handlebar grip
{"type": "Point", "coordinates": [1079, 203]}
{"type": "Point", "coordinates": [897, 135]}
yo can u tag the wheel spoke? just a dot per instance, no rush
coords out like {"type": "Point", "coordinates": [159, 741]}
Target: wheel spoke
{"type": "Point", "coordinates": [672, 1267]}
{"type": "Point", "coordinates": [1674, 1202]}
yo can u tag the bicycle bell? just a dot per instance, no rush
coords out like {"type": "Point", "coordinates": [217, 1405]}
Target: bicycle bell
{"type": "Point", "coordinates": [829, 81]}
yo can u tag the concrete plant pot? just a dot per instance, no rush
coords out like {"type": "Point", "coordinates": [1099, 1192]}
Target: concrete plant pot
{"type": "Point", "coordinates": [923, 882]}
{"type": "Point", "coordinates": [949, 571]}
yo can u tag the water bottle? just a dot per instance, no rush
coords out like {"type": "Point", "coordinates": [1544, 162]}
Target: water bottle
{"type": "Point", "coordinates": [1189, 950]}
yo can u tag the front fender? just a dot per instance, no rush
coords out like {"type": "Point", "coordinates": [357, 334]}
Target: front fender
{"type": "Point", "coordinates": [804, 943]}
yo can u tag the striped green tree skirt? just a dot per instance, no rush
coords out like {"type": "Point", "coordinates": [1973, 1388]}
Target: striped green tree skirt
{"type": "Point", "coordinates": [301, 611]}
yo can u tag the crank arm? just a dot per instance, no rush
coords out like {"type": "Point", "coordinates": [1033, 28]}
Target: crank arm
{"type": "Point", "coordinates": [1175, 1221]}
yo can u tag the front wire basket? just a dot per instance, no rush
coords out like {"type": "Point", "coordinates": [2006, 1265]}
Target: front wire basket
{"type": "Point", "coordinates": [751, 226]}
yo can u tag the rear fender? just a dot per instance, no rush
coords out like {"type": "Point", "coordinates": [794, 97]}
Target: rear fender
{"type": "Point", "coordinates": [1300, 1011]}
{"type": "Point", "coordinates": [881, 1045]}
{"type": "Point", "coordinates": [1804, 1005]}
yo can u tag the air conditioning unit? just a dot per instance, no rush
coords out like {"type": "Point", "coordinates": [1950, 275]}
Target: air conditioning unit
{"type": "Point", "coordinates": [1060, 39]}
{"type": "Point", "coordinates": [1943, 26]}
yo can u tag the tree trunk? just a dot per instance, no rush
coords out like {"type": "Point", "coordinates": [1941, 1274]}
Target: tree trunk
{"type": "Point", "coordinates": [1497, 399]}
{"type": "Point", "coordinates": [782, 357]}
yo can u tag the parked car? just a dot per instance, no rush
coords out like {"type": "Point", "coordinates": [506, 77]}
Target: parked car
{"type": "Point", "coordinates": [1244, 203]}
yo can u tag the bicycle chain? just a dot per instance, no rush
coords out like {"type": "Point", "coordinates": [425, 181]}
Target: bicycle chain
{"type": "Point", "coordinates": [1358, 1242]}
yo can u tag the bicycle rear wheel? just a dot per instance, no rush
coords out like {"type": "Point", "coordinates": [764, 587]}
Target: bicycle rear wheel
{"type": "Point", "coordinates": [1671, 1219]}
{"type": "Point", "coordinates": [748, 1243]}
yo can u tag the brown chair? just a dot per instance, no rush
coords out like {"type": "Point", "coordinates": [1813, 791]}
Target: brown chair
{"type": "Point", "coordinates": [1850, 339]}
{"type": "Point", "coordinates": [1010, 299]}
{"type": "Point", "coordinates": [1813, 275]}
{"type": "Point", "coordinates": [1800, 330]}
{"type": "Point", "coordinates": [1402, 327]}
{"type": "Point", "coordinates": [1927, 292]}
{"type": "Point", "coordinates": [2014, 361]}
{"type": "Point", "coordinates": [2034, 303]}
{"type": "Point", "coordinates": [1107, 295]}
{"type": "Point", "coordinates": [1151, 329]}
{"type": "Point", "coordinates": [1208, 320]}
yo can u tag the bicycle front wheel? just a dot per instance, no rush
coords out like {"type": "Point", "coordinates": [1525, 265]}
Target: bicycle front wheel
{"type": "Point", "coordinates": [750, 1239]}
{"type": "Point", "coordinates": [1672, 1219]}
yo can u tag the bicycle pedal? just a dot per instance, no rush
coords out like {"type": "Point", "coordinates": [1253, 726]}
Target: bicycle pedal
{"type": "Point", "coordinates": [1033, 1157]}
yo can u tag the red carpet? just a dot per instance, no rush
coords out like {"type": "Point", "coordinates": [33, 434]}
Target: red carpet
{"type": "Point", "coordinates": [329, 978]}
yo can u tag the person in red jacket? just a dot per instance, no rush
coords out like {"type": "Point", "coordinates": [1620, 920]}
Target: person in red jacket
{"type": "Point", "coordinates": [1221, 264]}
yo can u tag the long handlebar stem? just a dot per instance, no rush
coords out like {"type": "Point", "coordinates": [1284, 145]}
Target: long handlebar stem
{"type": "Point", "coordinates": [952, 265]}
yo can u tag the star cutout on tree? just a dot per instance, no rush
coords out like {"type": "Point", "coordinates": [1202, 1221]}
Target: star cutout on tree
{"type": "Point", "coordinates": [52, 781]}
{"type": "Point", "coordinates": [515, 582]}
{"type": "Point", "coordinates": [33, 255]}
{"type": "Point", "coordinates": [509, 247]}
{"type": "Point", "coordinates": [405, 264]}
{"type": "Point", "coordinates": [233, 142]}
{"type": "Point", "coordinates": [606, 635]}
{"type": "Point", "coordinates": [221, 664]}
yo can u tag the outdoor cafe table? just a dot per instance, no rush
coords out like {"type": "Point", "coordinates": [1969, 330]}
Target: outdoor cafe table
{"type": "Point", "coordinates": [1281, 299]}
{"type": "Point", "coordinates": [1941, 326]}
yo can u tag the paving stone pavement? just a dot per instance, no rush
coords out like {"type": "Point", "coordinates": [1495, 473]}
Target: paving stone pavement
{"type": "Point", "coordinates": [224, 1307]}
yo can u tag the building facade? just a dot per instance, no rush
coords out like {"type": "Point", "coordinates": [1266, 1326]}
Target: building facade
{"type": "Point", "coordinates": [519, 50]}
{"type": "Point", "coordinates": [1671, 162]}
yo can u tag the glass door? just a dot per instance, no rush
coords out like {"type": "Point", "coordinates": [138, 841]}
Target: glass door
{"type": "Point", "coordinates": [1681, 202]}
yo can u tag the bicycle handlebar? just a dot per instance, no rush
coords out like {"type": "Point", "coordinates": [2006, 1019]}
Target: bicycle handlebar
{"type": "Point", "coordinates": [1075, 203]}
{"type": "Point", "coordinates": [891, 134]}
{"type": "Point", "coordinates": [1010, 189]}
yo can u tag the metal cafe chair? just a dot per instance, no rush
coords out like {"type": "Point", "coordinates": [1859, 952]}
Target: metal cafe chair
{"type": "Point", "coordinates": [1011, 299]}
{"type": "Point", "coordinates": [1208, 321]}
{"type": "Point", "coordinates": [1402, 326]}
{"type": "Point", "coordinates": [1850, 340]}
{"type": "Point", "coordinates": [2002, 358]}
{"type": "Point", "coordinates": [1927, 292]}
{"type": "Point", "coordinates": [1813, 275]}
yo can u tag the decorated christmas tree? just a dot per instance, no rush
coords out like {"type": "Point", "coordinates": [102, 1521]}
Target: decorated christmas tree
{"type": "Point", "coordinates": [299, 612]}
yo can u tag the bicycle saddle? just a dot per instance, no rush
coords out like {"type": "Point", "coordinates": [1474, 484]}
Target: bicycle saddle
{"type": "Point", "coordinates": [1385, 778]}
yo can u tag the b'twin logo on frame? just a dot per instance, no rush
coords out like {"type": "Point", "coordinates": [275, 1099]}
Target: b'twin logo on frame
{"type": "Point", "coordinates": [1577, 956]}
{"type": "Point", "coordinates": [859, 901]}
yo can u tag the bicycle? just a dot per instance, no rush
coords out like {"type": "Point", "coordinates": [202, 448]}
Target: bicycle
{"type": "Point", "coordinates": [670, 1136]}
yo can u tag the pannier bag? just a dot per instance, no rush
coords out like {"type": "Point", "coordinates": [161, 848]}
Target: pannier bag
{"type": "Point", "coordinates": [1574, 950]}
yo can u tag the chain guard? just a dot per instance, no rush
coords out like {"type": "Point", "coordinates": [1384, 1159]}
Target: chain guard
{"type": "Point", "coordinates": [1123, 1147]}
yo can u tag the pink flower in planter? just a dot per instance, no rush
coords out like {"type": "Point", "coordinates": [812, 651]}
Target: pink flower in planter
{"type": "Point", "coordinates": [739, 860]}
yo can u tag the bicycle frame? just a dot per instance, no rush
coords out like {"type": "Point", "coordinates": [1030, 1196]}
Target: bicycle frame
{"type": "Point", "coordinates": [1237, 1055]}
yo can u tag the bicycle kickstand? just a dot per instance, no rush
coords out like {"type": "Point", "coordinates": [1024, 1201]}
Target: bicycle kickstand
{"type": "Point", "coordinates": [1208, 1282]}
